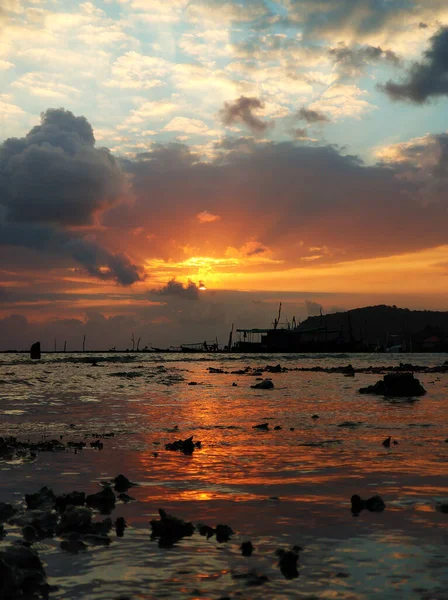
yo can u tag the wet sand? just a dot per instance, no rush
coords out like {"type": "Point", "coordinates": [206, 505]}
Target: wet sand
{"type": "Point", "coordinates": [278, 488]}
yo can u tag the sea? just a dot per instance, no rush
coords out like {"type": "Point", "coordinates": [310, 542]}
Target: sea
{"type": "Point", "coordinates": [286, 485]}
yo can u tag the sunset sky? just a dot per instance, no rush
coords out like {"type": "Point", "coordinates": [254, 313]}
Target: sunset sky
{"type": "Point", "coordinates": [275, 150]}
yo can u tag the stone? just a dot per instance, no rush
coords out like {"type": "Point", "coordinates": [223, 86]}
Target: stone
{"type": "Point", "coordinates": [35, 351]}
{"type": "Point", "coordinates": [6, 511]}
{"type": "Point", "coordinates": [122, 483]}
{"type": "Point", "coordinates": [75, 518]}
{"type": "Point", "coordinates": [266, 384]}
{"type": "Point", "coordinates": [42, 499]}
{"type": "Point", "coordinates": [396, 385]}
{"type": "Point", "coordinates": [170, 529]}
{"type": "Point", "coordinates": [247, 548]}
{"type": "Point", "coordinates": [288, 562]}
{"type": "Point", "coordinates": [186, 446]}
{"type": "Point", "coordinates": [261, 427]}
{"type": "Point", "coordinates": [223, 533]}
{"type": "Point", "coordinates": [103, 501]}
{"type": "Point", "coordinates": [120, 526]}
{"type": "Point", "coordinates": [373, 504]}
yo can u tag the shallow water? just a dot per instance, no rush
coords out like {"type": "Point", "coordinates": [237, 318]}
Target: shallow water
{"type": "Point", "coordinates": [277, 488]}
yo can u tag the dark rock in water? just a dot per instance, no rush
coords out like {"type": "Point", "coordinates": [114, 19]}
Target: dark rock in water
{"type": "Point", "coordinates": [358, 504]}
{"type": "Point", "coordinates": [261, 427]}
{"type": "Point", "coordinates": [21, 573]}
{"type": "Point", "coordinates": [73, 546]}
{"type": "Point", "coordinates": [277, 428]}
{"type": "Point", "coordinates": [206, 531]}
{"type": "Point", "coordinates": [315, 417]}
{"type": "Point", "coordinates": [396, 385]}
{"type": "Point", "coordinates": [442, 507]}
{"type": "Point", "coordinates": [223, 533]}
{"type": "Point", "coordinates": [386, 442]}
{"type": "Point", "coordinates": [122, 483]}
{"type": "Point", "coordinates": [348, 370]}
{"type": "Point", "coordinates": [234, 384]}
{"type": "Point", "coordinates": [44, 498]}
{"type": "Point", "coordinates": [35, 351]}
{"type": "Point", "coordinates": [30, 533]}
{"type": "Point", "coordinates": [120, 526]}
{"type": "Point", "coordinates": [75, 519]}
{"type": "Point", "coordinates": [2, 532]}
{"type": "Point", "coordinates": [247, 548]}
{"type": "Point", "coordinates": [103, 501]}
{"type": "Point", "coordinates": [270, 369]}
{"type": "Point", "coordinates": [193, 383]}
{"type": "Point", "coordinates": [373, 504]}
{"type": "Point", "coordinates": [395, 443]}
{"type": "Point", "coordinates": [213, 370]}
{"type": "Point", "coordinates": [291, 429]}
{"type": "Point", "coordinates": [6, 511]}
{"type": "Point", "coordinates": [288, 562]}
{"type": "Point", "coordinates": [125, 498]}
{"type": "Point", "coordinates": [170, 529]}
{"type": "Point", "coordinates": [266, 384]}
{"type": "Point", "coordinates": [72, 499]}
{"type": "Point", "coordinates": [186, 446]}
{"type": "Point", "coordinates": [97, 444]}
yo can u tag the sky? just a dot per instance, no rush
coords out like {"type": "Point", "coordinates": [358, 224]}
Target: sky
{"type": "Point", "coordinates": [269, 151]}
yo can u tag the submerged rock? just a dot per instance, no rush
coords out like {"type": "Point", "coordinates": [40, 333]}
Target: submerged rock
{"type": "Point", "coordinates": [266, 384]}
{"type": "Point", "coordinates": [75, 519]}
{"type": "Point", "coordinates": [35, 351]}
{"type": "Point", "coordinates": [120, 526]}
{"type": "Point", "coordinates": [396, 385]}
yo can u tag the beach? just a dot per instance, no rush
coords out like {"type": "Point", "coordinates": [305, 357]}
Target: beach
{"type": "Point", "coordinates": [278, 488]}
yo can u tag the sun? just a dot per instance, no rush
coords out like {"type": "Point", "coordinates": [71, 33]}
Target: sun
{"type": "Point", "coordinates": [201, 286]}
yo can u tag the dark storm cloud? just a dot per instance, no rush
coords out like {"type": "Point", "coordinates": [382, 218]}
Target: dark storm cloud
{"type": "Point", "coordinates": [351, 62]}
{"type": "Point", "coordinates": [240, 111]}
{"type": "Point", "coordinates": [292, 197]}
{"type": "Point", "coordinates": [52, 179]}
{"type": "Point", "coordinates": [426, 79]}
{"type": "Point", "coordinates": [56, 175]}
{"type": "Point", "coordinates": [312, 116]}
{"type": "Point", "coordinates": [174, 288]}
{"type": "Point", "coordinates": [95, 259]}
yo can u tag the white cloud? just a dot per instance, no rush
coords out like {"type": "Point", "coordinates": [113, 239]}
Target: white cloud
{"type": "Point", "coordinates": [190, 126]}
{"type": "Point", "coordinates": [137, 71]}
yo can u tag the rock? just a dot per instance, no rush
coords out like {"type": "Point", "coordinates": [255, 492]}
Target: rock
{"type": "Point", "coordinates": [277, 428]}
{"type": "Point", "coordinates": [373, 504]}
{"type": "Point", "coordinates": [288, 562]}
{"type": "Point", "coordinates": [386, 442]}
{"type": "Point", "coordinates": [2, 532]}
{"type": "Point", "coordinates": [21, 573]}
{"type": "Point", "coordinates": [247, 548]}
{"type": "Point", "coordinates": [186, 446]}
{"type": "Point", "coordinates": [35, 351]}
{"type": "Point", "coordinates": [315, 417]}
{"type": "Point", "coordinates": [6, 511]}
{"type": "Point", "coordinates": [442, 507]}
{"type": "Point", "coordinates": [120, 526]}
{"type": "Point", "coordinates": [234, 384]}
{"type": "Point", "coordinates": [122, 483]}
{"type": "Point", "coordinates": [266, 384]}
{"type": "Point", "coordinates": [72, 499]}
{"type": "Point", "coordinates": [75, 518]}
{"type": "Point", "coordinates": [170, 529]}
{"type": "Point", "coordinates": [206, 531]}
{"type": "Point", "coordinates": [396, 385]}
{"type": "Point", "coordinates": [73, 546]}
{"type": "Point", "coordinates": [94, 539]}
{"type": "Point", "coordinates": [103, 501]}
{"type": "Point", "coordinates": [223, 533]}
{"type": "Point", "coordinates": [291, 429]}
{"type": "Point", "coordinates": [193, 383]}
{"type": "Point", "coordinates": [125, 498]}
{"type": "Point", "coordinates": [42, 499]}
{"type": "Point", "coordinates": [270, 369]}
{"type": "Point", "coordinates": [262, 427]}
{"type": "Point", "coordinates": [29, 533]}
{"type": "Point", "coordinates": [97, 444]}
